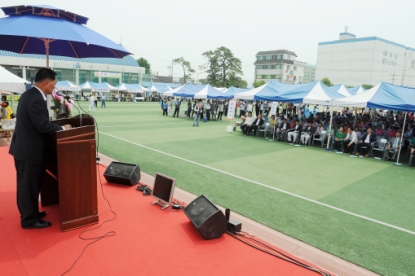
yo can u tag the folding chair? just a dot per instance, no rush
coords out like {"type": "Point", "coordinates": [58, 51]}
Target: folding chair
{"type": "Point", "coordinates": [378, 146]}
{"type": "Point", "coordinates": [321, 138]}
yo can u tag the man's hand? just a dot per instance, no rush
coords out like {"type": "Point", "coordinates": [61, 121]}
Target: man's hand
{"type": "Point", "coordinates": [67, 126]}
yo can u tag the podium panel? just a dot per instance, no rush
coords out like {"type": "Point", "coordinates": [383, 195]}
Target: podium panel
{"type": "Point", "coordinates": [71, 178]}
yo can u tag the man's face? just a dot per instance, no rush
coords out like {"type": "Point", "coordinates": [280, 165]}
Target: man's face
{"type": "Point", "coordinates": [49, 86]}
{"type": "Point", "coordinates": [398, 134]}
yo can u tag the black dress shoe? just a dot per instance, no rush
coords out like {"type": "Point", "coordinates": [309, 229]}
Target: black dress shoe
{"type": "Point", "coordinates": [38, 225]}
{"type": "Point", "coordinates": [42, 214]}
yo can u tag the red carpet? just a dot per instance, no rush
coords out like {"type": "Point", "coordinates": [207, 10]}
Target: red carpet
{"type": "Point", "coordinates": [148, 241]}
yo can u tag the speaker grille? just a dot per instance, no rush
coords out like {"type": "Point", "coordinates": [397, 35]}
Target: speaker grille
{"type": "Point", "coordinates": [200, 210]}
{"type": "Point", "coordinates": [122, 173]}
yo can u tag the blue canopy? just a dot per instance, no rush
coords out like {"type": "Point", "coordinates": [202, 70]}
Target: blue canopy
{"type": "Point", "coordinates": [341, 89]}
{"type": "Point", "coordinates": [28, 34]}
{"type": "Point", "coordinates": [266, 92]}
{"type": "Point", "coordinates": [200, 91]}
{"type": "Point", "coordinates": [384, 96]}
{"type": "Point", "coordinates": [312, 93]}
{"type": "Point", "coordinates": [232, 90]}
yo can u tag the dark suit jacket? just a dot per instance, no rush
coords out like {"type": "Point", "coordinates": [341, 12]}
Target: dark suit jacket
{"type": "Point", "coordinates": [299, 128]}
{"type": "Point", "coordinates": [33, 128]}
{"type": "Point", "coordinates": [261, 122]}
{"type": "Point", "coordinates": [372, 137]}
{"type": "Point", "coordinates": [310, 129]}
{"type": "Point", "coordinates": [284, 125]}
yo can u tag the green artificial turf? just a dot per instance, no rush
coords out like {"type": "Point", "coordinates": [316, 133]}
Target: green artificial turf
{"type": "Point", "coordinates": [367, 187]}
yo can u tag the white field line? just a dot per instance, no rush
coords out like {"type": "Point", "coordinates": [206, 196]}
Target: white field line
{"type": "Point", "coordinates": [269, 187]}
{"type": "Point", "coordinates": [148, 125]}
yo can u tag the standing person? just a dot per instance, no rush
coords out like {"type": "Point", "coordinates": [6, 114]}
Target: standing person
{"type": "Point", "coordinates": [198, 112]}
{"type": "Point", "coordinates": [28, 147]}
{"type": "Point", "coordinates": [103, 98]}
{"type": "Point", "coordinates": [91, 103]}
{"type": "Point", "coordinates": [207, 108]}
{"type": "Point", "coordinates": [169, 107]}
{"type": "Point", "coordinates": [189, 108]}
{"type": "Point", "coordinates": [95, 101]}
{"type": "Point", "coordinates": [176, 108]}
{"type": "Point", "coordinates": [226, 108]}
{"type": "Point", "coordinates": [257, 108]}
{"type": "Point", "coordinates": [241, 109]}
{"type": "Point", "coordinates": [164, 107]}
{"type": "Point", "coordinates": [221, 108]}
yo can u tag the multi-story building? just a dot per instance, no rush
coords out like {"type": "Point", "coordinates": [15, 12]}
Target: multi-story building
{"type": "Point", "coordinates": [112, 70]}
{"type": "Point", "coordinates": [366, 60]}
{"type": "Point", "coordinates": [309, 73]}
{"type": "Point", "coordinates": [279, 65]}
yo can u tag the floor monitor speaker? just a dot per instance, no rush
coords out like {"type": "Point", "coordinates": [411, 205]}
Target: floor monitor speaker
{"type": "Point", "coordinates": [206, 217]}
{"type": "Point", "coordinates": [122, 173]}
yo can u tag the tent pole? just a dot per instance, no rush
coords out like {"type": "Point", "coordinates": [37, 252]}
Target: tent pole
{"type": "Point", "coordinates": [331, 121]}
{"type": "Point", "coordinates": [400, 141]}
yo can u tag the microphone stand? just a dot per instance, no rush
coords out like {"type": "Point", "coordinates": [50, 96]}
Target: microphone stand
{"type": "Point", "coordinates": [80, 116]}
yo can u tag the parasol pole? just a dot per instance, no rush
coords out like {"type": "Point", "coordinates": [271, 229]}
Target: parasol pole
{"type": "Point", "coordinates": [400, 141]}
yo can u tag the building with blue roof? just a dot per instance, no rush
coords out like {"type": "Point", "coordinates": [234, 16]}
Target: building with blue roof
{"type": "Point", "coordinates": [354, 61]}
{"type": "Point", "coordinates": [112, 70]}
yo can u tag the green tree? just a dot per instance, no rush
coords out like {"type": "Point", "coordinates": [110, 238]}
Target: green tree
{"type": "Point", "coordinates": [143, 63]}
{"type": "Point", "coordinates": [327, 82]}
{"type": "Point", "coordinates": [367, 86]}
{"type": "Point", "coordinates": [222, 67]}
{"type": "Point", "coordinates": [259, 83]}
{"type": "Point", "coordinates": [349, 86]}
{"type": "Point", "coordinates": [236, 81]}
{"type": "Point", "coordinates": [187, 69]}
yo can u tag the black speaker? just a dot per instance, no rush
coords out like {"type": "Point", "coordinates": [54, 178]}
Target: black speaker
{"type": "Point", "coordinates": [122, 173]}
{"type": "Point", "coordinates": [206, 217]}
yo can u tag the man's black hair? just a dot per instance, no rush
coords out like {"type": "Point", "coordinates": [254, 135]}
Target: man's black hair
{"type": "Point", "coordinates": [45, 74]}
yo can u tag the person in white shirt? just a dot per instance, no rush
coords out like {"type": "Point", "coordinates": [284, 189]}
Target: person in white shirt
{"type": "Point", "coordinates": [91, 103]}
{"type": "Point", "coordinates": [350, 141]}
{"type": "Point", "coordinates": [248, 122]}
{"type": "Point", "coordinates": [249, 107]}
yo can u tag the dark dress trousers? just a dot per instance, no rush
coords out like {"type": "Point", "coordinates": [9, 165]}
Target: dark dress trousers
{"type": "Point", "coordinates": [33, 130]}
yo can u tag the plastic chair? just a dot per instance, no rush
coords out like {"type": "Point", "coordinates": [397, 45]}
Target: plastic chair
{"type": "Point", "coordinates": [378, 146]}
{"type": "Point", "coordinates": [321, 138]}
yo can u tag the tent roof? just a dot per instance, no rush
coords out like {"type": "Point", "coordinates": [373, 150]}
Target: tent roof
{"type": "Point", "coordinates": [341, 89]}
{"type": "Point", "coordinates": [266, 92]}
{"type": "Point", "coordinates": [10, 82]}
{"type": "Point", "coordinates": [384, 96]}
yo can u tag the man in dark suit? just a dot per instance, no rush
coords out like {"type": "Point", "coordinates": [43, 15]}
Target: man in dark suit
{"type": "Point", "coordinates": [294, 132]}
{"type": "Point", "coordinates": [367, 138]}
{"type": "Point", "coordinates": [393, 146]}
{"type": "Point", "coordinates": [29, 149]}
{"type": "Point", "coordinates": [282, 130]}
{"type": "Point", "coordinates": [256, 124]}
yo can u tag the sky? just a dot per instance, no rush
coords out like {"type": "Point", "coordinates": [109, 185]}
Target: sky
{"type": "Point", "coordinates": [162, 30]}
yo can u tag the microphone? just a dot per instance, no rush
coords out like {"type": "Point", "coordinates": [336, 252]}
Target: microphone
{"type": "Point", "coordinates": [73, 104]}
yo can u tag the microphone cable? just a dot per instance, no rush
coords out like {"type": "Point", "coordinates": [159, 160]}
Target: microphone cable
{"type": "Point", "coordinates": [109, 233]}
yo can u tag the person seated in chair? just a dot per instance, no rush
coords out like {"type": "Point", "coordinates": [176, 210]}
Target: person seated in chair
{"type": "Point", "coordinates": [339, 138]}
{"type": "Point", "coordinates": [412, 152]}
{"type": "Point", "coordinates": [271, 127]}
{"type": "Point", "coordinates": [282, 130]}
{"type": "Point", "coordinates": [307, 133]}
{"type": "Point", "coordinates": [247, 123]}
{"type": "Point", "coordinates": [255, 125]}
{"type": "Point", "coordinates": [367, 138]}
{"type": "Point", "coordinates": [350, 141]}
{"type": "Point", "coordinates": [294, 132]}
{"type": "Point", "coordinates": [394, 146]}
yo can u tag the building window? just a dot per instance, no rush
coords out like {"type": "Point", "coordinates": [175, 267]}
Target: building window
{"type": "Point", "coordinates": [259, 67]}
{"type": "Point", "coordinates": [273, 76]}
{"type": "Point", "coordinates": [260, 57]}
{"type": "Point", "coordinates": [258, 76]}
{"type": "Point", "coordinates": [17, 72]}
{"type": "Point", "coordinates": [295, 68]}
{"type": "Point", "coordinates": [265, 76]}
{"type": "Point", "coordinates": [265, 66]}
{"type": "Point", "coordinates": [288, 67]}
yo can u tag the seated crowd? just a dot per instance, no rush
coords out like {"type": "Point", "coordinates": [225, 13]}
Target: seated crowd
{"type": "Point", "coordinates": [360, 136]}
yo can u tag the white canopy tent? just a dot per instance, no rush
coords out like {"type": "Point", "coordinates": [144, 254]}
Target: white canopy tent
{"type": "Point", "coordinates": [11, 83]}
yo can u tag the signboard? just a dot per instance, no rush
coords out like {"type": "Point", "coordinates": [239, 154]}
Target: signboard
{"type": "Point", "coordinates": [107, 74]}
{"type": "Point", "coordinates": [273, 108]}
{"type": "Point", "coordinates": [231, 110]}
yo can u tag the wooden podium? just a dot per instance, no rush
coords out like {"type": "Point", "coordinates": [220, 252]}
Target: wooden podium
{"type": "Point", "coordinates": [71, 175]}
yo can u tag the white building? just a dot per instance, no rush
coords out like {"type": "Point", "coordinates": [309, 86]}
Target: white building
{"type": "Point", "coordinates": [279, 65]}
{"type": "Point", "coordinates": [309, 73]}
{"type": "Point", "coordinates": [367, 60]}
